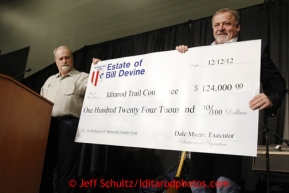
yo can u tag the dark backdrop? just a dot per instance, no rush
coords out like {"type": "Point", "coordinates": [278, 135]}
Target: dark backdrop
{"type": "Point", "coordinates": [14, 63]}
{"type": "Point", "coordinates": [268, 21]}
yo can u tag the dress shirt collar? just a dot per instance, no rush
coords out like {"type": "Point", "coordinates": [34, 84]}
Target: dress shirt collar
{"type": "Point", "coordinates": [70, 73]}
{"type": "Point", "coordinates": [230, 41]}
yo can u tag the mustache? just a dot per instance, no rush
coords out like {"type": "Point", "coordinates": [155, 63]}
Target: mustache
{"type": "Point", "coordinates": [222, 33]}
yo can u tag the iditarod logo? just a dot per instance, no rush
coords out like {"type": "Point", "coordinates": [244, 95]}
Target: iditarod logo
{"type": "Point", "coordinates": [97, 75]}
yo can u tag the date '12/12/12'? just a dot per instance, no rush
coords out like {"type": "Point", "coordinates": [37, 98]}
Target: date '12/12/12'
{"type": "Point", "coordinates": [221, 61]}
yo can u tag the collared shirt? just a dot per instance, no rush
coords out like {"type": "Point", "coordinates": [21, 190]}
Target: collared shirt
{"type": "Point", "coordinates": [66, 92]}
{"type": "Point", "coordinates": [230, 41]}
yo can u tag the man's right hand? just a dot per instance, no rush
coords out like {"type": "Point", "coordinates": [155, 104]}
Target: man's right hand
{"type": "Point", "coordinates": [182, 48]}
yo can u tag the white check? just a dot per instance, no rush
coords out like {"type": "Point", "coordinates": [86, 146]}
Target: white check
{"type": "Point", "coordinates": [197, 101]}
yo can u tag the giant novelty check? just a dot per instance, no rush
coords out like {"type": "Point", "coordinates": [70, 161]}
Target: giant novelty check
{"type": "Point", "coordinates": [197, 101]}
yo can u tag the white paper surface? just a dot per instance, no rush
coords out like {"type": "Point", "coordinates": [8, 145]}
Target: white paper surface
{"type": "Point", "coordinates": [197, 101]}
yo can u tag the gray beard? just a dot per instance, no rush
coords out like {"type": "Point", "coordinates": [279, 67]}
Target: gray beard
{"type": "Point", "coordinates": [65, 68]}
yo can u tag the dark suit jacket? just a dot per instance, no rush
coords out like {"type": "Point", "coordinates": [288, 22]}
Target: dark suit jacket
{"type": "Point", "coordinates": [273, 83]}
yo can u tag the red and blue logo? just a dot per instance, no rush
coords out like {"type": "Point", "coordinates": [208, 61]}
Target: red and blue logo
{"type": "Point", "coordinates": [97, 75]}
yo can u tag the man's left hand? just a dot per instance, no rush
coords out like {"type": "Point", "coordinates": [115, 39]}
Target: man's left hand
{"type": "Point", "coordinates": [260, 101]}
{"type": "Point", "coordinates": [95, 60]}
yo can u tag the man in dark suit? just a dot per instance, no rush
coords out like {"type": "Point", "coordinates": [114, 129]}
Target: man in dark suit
{"type": "Point", "coordinates": [227, 168]}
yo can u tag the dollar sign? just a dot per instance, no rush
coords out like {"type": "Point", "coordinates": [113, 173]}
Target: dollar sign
{"type": "Point", "coordinates": [196, 88]}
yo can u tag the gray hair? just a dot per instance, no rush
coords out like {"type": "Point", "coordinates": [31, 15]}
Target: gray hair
{"type": "Point", "coordinates": [231, 11]}
{"type": "Point", "coordinates": [65, 47]}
